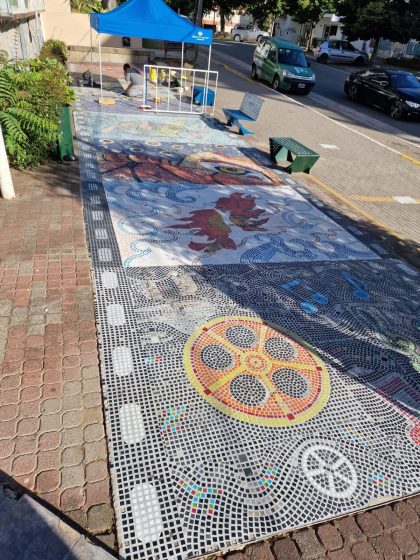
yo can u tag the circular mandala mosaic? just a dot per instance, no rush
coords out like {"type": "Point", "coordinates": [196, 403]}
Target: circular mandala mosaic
{"type": "Point", "coordinates": [256, 371]}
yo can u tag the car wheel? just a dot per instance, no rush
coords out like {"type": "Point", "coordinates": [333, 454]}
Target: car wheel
{"type": "Point", "coordinates": [254, 74]}
{"type": "Point", "coordinates": [396, 110]}
{"type": "Point", "coordinates": [353, 92]}
{"type": "Point", "coordinates": [259, 38]}
{"type": "Point", "coordinates": [323, 58]}
{"type": "Point", "coordinates": [275, 84]}
{"type": "Point", "coordinates": [360, 61]}
{"type": "Point", "coordinates": [237, 38]}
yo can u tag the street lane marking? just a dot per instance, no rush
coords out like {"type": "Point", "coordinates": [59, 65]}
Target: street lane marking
{"type": "Point", "coordinates": [330, 146]}
{"type": "Point", "coordinates": [373, 198]}
{"type": "Point", "coordinates": [415, 161]}
{"type": "Point", "coordinates": [366, 120]}
{"type": "Point", "coordinates": [355, 207]}
{"type": "Point", "coordinates": [405, 199]}
{"type": "Point", "coordinates": [405, 156]}
{"type": "Point", "coordinates": [400, 199]}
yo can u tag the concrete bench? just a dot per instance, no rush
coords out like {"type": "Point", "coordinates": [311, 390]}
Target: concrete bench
{"type": "Point", "coordinates": [248, 111]}
{"type": "Point", "coordinates": [299, 156]}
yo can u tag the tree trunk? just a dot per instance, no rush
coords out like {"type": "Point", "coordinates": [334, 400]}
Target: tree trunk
{"type": "Point", "coordinates": [273, 27]}
{"type": "Point", "coordinates": [222, 22]}
{"type": "Point", "coordinates": [375, 50]}
{"type": "Point", "coordinates": [309, 45]}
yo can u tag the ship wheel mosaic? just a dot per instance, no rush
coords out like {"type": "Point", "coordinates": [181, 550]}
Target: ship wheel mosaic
{"type": "Point", "coordinates": [256, 371]}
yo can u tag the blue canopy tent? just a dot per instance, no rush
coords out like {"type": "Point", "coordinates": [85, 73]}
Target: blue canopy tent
{"type": "Point", "coordinates": [149, 19]}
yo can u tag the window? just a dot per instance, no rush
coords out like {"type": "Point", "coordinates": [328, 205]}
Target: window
{"type": "Point", "coordinates": [370, 76]}
{"type": "Point", "coordinates": [410, 47]}
{"type": "Point", "coordinates": [330, 31]}
{"type": "Point", "coordinates": [272, 54]}
{"type": "Point", "coordinates": [260, 47]}
{"type": "Point", "coordinates": [404, 81]}
{"type": "Point", "coordinates": [380, 80]}
{"type": "Point", "coordinates": [265, 50]}
{"type": "Point", "coordinates": [334, 45]}
{"type": "Point", "coordinates": [293, 57]}
{"type": "Point", "coordinates": [347, 46]}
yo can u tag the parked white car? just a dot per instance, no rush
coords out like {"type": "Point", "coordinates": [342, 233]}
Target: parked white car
{"type": "Point", "coordinates": [339, 51]}
{"type": "Point", "coordinates": [248, 32]}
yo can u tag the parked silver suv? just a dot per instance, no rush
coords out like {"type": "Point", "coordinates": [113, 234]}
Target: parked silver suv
{"type": "Point", "coordinates": [248, 32]}
{"type": "Point", "coordinates": [335, 50]}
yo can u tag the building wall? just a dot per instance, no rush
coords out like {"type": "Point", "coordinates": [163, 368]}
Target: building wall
{"type": "Point", "coordinates": [74, 29]}
{"type": "Point", "coordinates": [290, 30]}
{"type": "Point", "coordinates": [212, 20]}
{"type": "Point", "coordinates": [21, 39]}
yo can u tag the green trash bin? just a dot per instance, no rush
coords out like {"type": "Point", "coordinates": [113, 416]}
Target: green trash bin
{"type": "Point", "coordinates": [65, 142]}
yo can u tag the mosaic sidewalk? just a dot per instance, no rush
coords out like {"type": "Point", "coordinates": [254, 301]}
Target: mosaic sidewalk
{"type": "Point", "coordinates": [260, 359]}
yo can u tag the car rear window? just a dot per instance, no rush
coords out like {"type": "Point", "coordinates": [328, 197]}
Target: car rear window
{"type": "Point", "coordinates": [404, 81]}
{"type": "Point", "coordinates": [293, 57]}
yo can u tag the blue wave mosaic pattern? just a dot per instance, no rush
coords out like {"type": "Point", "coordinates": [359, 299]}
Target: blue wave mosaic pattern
{"type": "Point", "coordinates": [247, 398]}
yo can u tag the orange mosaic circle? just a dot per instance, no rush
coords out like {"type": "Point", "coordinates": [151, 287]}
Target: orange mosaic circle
{"type": "Point", "coordinates": [256, 371]}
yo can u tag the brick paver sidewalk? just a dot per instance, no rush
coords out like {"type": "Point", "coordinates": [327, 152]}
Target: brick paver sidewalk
{"type": "Point", "coordinates": [387, 533]}
{"type": "Point", "coordinates": [52, 438]}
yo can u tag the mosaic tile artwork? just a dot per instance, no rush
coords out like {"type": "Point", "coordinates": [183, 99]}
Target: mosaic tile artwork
{"type": "Point", "coordinates": [185, 129]}
{"type": "Point", "coordinates": [184, 202]}
{"type": "Point", "coordinates": [242, 398]}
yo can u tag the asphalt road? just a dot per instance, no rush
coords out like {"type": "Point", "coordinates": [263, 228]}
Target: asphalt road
{"type": "Point", "coordinates": [329, 84]}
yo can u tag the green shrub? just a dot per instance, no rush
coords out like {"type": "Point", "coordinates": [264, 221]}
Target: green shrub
{"type": "Point", "coordinates": [32, 94]}
{"type": "Point", "coordinates": [86, 6]}
{"type": "Point", "coordinates": [54, 49]}
{"type": "Point", "coordinates": [4, 57]}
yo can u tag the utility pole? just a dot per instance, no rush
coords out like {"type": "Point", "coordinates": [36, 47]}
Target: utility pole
{"type": "Point", "coordinates": [6, 185]}
{"type": "Point", "coordinates": [199, 12]}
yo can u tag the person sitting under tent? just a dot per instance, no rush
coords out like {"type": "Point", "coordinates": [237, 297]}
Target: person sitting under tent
{"type": "Point", "coordinates": [134, 77]}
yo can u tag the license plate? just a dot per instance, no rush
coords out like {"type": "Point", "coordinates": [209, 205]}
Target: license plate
{"type": "Point", "coordinates": [302, 85]}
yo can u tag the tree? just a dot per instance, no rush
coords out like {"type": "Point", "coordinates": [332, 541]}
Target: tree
{"type": "Point", "coordinates": [226, 9]}
{"type": "Point", "coordinates": [89, 6]}
{"type": "Point", "coordinates": [265, 12]}
{"type": "Point", "coordinates": [308, 11]}
{"type": "Point", "coordinates": [86, 6]}
{"type": "Point", "coordinates": [396, 20]}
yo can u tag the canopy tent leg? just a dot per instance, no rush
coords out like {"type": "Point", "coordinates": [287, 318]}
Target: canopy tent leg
{"type": "Point", "coordinates": [91, 46]}
{"type": "Point", "coordinates": [100, 64]}
{"type": "Point", "coordinates": [207, 79]}
{"type": "Point", "coordinates": [182, 72]}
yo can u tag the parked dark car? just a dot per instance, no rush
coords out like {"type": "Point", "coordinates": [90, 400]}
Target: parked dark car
{"type": "Point", "coordinates": [394, 91]}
